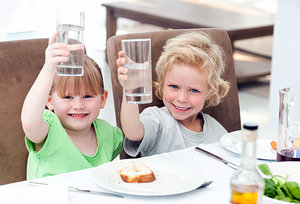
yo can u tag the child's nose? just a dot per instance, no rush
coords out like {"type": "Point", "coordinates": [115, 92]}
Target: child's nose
{"type": "Point", "coordinates": [78, 103]}
{"type": "Point", "coordinates": [182, 96]}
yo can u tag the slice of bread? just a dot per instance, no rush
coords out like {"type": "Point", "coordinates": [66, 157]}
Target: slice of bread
{"type": "Point", "coordinates": [135, 172]}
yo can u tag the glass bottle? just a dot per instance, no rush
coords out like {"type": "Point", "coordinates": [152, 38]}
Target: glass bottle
{"type": "Point", "coordinates": [247, 186]}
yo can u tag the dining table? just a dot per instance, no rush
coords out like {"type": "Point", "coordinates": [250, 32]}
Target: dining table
{"type": "Point", "coordinates": [209, 169]}
{"type": "Point", "coordinates": [241, 21]}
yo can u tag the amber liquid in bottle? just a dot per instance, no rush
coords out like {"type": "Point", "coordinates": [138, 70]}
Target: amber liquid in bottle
{"type": "Point", "coordinates": [244, 194]}
{"type": "Point", "coordinates": [247, 186]}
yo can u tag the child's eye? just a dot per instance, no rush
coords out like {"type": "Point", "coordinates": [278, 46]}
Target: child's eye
{"type": "Point", "coordinates": [174, 86]}
{"type": "Point", "coordinates": [87, 96]}
{"type": "Point", "coordinates": [68, 97]}
{"type": "Point", "coordinates": [194, 91]}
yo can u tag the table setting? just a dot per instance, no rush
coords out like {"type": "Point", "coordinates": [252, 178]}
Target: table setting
{"type": "Point", "coordinates": [180, 176]}
{"type": "Point", "coordinates": [180, 166]}
{"type": "Point", "coordinates": [188, 165]}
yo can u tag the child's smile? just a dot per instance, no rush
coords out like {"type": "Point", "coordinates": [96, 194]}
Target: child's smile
{"type": "Point", "coordinates": [185, 92]}
{"type": "Point", "coordinates": [76, 112]}
{"type": "Point", "coordinates": [181, 108]}
{"type": "Point", "coordinates": [78, 115]}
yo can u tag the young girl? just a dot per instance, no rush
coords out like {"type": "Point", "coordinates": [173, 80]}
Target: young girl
{"type": "Point", "coordinates": [189, 79]}
{"type": "Point", "coordinates": [68, 136]}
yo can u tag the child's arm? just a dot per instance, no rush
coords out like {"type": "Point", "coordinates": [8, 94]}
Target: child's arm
{"type": "Point", "coordinates": [130, 117]}
{"type": "Point", "coordinates": [35, 128]}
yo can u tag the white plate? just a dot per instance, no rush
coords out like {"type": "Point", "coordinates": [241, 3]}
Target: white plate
{"type": "Point", "coordinates": [283, 168]}
{"type": "Point", "coordinates": [233, 142]}
{"type": "Point", "coordinates": [171, 178]}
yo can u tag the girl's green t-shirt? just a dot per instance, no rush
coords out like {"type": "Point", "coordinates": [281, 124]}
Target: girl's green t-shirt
{"type": "Point", "coordinates": [60, 155]}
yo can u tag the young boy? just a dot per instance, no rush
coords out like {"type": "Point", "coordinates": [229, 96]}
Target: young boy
{"type": "Point", "coordinates": [189, 79]}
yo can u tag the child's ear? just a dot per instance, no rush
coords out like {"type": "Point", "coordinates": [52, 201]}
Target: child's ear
{"type": "Point", "coordinates": [103, 99]}
{"type": "Point", "coordinates": [49, 104]}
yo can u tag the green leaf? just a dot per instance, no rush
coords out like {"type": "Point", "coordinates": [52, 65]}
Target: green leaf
{"type": "Point", "coordinates": [286, 191]}
{"type": "Point", "coordinates": [283, 198]}
{"type": "Point", "coordinates": [294, 189]}
{"type": "Point", "coordinates": [270, 188]}
{"type": "Point", "coordinates": [279, 191]}
{"type": "Point", "coordinates": [265, 169]}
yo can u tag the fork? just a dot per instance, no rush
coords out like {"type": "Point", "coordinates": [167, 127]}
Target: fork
{"type": "Point", "coordinates": [78, 190]}
{"type": "Point", "coordinates": [205, 184]}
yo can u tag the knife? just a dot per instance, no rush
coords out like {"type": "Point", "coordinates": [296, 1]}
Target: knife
{"type": "Point", "coordinates": [74, 189]}
{"type": "Point", "coordinates": [230, 164]}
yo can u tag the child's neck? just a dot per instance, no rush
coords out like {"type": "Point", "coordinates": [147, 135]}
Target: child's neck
{"type": "Point", "coordinates": [85, 141]}
{"type": "Point", "coordinates": [79, 133]}
{"type": "Point", "coordinates": [194, 124]}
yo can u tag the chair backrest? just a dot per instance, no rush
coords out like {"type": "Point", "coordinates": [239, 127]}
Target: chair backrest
{"type": "Point", "coordinates": [20, 63]}
{"type": "Point", "coordinates": [227, 112]}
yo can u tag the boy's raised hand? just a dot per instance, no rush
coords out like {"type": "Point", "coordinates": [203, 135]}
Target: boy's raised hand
{"type": "Point", "coordinates": [55, 52]}
{"type": "Point", "coordinates": [122, 71]}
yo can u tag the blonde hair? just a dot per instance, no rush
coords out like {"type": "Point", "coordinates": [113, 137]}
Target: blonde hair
{"type": "Point", "coordinates": [197, 50]}
{"type": "Point", "coordinates": [90, 83]}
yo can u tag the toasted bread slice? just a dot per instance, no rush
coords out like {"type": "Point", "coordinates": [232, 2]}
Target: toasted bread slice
{"type": "Point", "coordinates": [135, 172]}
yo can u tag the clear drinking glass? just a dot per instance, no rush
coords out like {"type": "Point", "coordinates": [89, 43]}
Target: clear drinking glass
{"type": "Point", "coordinates": [70, 25]}
{"type": "Point", "coordinates": [138, 86]}
{"type": "Point", "coordinates": [288, 145]}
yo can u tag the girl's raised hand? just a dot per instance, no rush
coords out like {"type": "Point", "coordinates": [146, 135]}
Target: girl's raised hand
{"type": "Point", "coordinates": [55, 52]}
{"type": "Point", "coordinates": [122, 71]}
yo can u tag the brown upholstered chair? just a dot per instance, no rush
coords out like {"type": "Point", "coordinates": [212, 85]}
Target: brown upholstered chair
{"type": "Point", "coordinates": [227, 112]}
{"type": "Point", "coordinates": [20, 63]}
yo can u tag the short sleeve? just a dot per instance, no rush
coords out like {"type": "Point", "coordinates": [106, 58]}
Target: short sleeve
{"type": "Point", "coordinates": [118, 137]}
{"type": "Point", "coordinates": [151, 121]}
{"type": "Point", "coordinates": [52, 142]}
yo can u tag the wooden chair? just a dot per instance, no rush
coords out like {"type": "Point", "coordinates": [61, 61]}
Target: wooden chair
{"type": "Point", "coordinates": [20, 62]}
{"type": "Point", "coordinates": [227, 112]}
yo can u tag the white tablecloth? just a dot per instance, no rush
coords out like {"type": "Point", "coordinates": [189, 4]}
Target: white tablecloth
{"type": "Point", "coordinates": [217, 192]}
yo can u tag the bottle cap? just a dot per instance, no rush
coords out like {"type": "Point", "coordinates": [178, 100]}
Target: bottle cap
{"type": "Point", "coordinates": [250, 126]}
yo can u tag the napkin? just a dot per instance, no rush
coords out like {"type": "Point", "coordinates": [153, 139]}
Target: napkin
{"type": "Point", "coordinates": [49, 194]}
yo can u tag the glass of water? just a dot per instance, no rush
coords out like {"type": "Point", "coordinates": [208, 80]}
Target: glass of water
{"type": "Point", "coordinates": [70, 25]}
{"type": "Point", "coordinates": [138, 86]}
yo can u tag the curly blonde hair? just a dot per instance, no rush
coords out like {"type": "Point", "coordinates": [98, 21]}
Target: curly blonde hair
{"type": "Point", "coordinates": [199, 51]}
{"type": "Point", "coordinates": [90, 83]}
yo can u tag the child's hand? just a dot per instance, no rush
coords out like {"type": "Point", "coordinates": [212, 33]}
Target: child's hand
{"type": "Point", "coordinates": [122, 76]}
{"type": "Point", "coordinates": [55, 52]}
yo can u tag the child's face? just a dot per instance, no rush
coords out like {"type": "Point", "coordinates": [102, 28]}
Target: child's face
{"type": "Point", "coordinates": [185, 91]}
{"type": "Point", "coordinates": [77, 112]}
